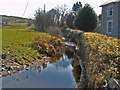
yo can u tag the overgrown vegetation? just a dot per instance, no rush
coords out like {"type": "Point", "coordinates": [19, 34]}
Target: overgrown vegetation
{"type": "Point", "coordinates": [54, 17]}
{"type": "Point", "coordinates": [54, 31]}
{"type": "Point", "coordinates": [100, 57]}
{"type": "Point", "coordinates": [104, 58]}
{"type": "Point", "coordinates": [49, 46]}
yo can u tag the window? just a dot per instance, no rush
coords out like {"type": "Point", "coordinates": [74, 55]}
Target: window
{"type": "Point", "coordinates": [110, 10]}
{"type": "Point", "coordinates": [109, 26]}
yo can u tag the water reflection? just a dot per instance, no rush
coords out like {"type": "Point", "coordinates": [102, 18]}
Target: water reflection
{"type": "Point", "coordinates": [76, 70]}
{"type": "Point", "coordinates": [44, 65]}
{"type": "Point", "coordinates": [59, 72]}
{"type": "Point", "coordinates": [39, 69]}
{"type": "Point", "coordinates": [55, 59]}
{"type": "Point", "coordinates": [69, 53]}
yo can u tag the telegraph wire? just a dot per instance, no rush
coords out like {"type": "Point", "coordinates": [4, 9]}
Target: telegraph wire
{"type": "Point", "coordinates": [23, 15]}
{"type": "Point", "coordinates": [26, 7]}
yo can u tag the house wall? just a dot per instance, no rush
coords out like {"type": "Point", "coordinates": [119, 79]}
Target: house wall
{"type": "Point", "coordinates": [119, 20]}
{"type": "Point", "coordinates": [115, 19]}
{"type": "Point", "coordinates": [104, 19]}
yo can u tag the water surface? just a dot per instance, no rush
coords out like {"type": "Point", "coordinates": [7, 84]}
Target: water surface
{"type": "Point", "coordinates": [61, 73]}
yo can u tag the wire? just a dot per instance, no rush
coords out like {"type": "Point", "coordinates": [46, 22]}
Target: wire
{"type": "Point", "coordinates": [26, 7]}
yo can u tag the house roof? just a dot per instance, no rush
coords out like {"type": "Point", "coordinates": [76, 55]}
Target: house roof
{"type": "Point", "coordinates": [109, 2]}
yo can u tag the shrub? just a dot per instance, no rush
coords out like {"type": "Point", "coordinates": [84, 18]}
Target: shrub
{"type": "Point", "coordinates": [104, 57]}
{"type": "Point", "coordinates": [55, 31]}
{"type": "Point", "coordinates": [59, 42]}
{"type": "Point", "coordinates": [52, 50]}
{"type": "Point", "coordinates": [48, 46]}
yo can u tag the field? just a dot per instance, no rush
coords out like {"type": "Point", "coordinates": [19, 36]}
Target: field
{"type": "Point", "coordinates": [17, 41]}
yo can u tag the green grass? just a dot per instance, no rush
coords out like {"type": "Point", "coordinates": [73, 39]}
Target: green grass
{"type": "Point", "coordinates": [18, 41]}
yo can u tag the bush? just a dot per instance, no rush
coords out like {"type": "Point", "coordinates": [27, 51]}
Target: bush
{"type": "Point", "coordinates": [104, 56]}
{"type": "Point", "coordinates": [55, 31]}
{"type": "Point", "coordinates": [48, 46]}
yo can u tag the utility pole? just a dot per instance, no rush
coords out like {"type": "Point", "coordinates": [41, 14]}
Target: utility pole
{"type": "Point", "coordinates": [44, 8]}
{"type": "Point", "coordinates": [44, 17]}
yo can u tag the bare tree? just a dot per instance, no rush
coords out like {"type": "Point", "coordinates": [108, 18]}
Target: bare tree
{"type": "Point", "coordinates": [63, 10]}
{"type": "Point", "coordinates": [39, 20]}
{"type": "Point", "coordinates": [54, 17]}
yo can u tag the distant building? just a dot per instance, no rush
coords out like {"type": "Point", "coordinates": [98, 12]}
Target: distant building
{"type": "Point", "coordinates": [111, 18]}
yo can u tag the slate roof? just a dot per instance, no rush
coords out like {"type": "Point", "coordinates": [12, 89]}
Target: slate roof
{"type": "Point", "coordinates": [109, 1]}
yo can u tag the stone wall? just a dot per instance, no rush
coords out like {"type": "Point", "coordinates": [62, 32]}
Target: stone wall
{"type": "Point", "coordinates": [77, 37]}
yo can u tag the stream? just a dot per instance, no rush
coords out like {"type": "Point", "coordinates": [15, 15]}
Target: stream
{"type": "Point", "coordinates": [62, 72]}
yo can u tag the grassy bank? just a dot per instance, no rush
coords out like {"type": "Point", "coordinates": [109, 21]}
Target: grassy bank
{"type": "Point", "coordinates": [17, 42]}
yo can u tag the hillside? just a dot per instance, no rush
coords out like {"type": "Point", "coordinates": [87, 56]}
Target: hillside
{"type": "Point", "coordinates": [14, 20]}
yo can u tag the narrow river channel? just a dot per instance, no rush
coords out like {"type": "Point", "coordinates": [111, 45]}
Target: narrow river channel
{"type": "Point", "coordinates": [64, 72]}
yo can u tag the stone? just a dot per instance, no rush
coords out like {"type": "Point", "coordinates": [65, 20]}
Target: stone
{"type": "Point", "coordinates": [17, 68]}
{"type": "Point", "coordinates": [24, 66]}
{"type": "Point", "coordinates": [77, 48]}
{"type": "Point", "coordinates": [3, 65]}
{"type": "Point", "coordinates": [28, 64]}
{"type": "Point", "coordinates": [4, 56]}
{"type": "Point", "coordinates": [2, 69]}
{"type": "Point", "coordinates": [113, 84]}
{"type": "Point", "coordinates": [27, 69]}
{"type": "Point", "coordinates": [9, 72]}
{"type": "Point", "coordinates": [0, 76]}
{"type": "Point", "coordinates": [24, 58]}
{"type": "Point", "coordinates": [9, 68]}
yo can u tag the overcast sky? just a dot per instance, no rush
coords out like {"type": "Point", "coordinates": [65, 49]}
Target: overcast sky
{"type": "Point", "coordinates": [17, 7]}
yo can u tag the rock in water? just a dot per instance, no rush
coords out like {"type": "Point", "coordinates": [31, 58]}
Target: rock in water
{"type": "Point", "coordinates": [17, 68]}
